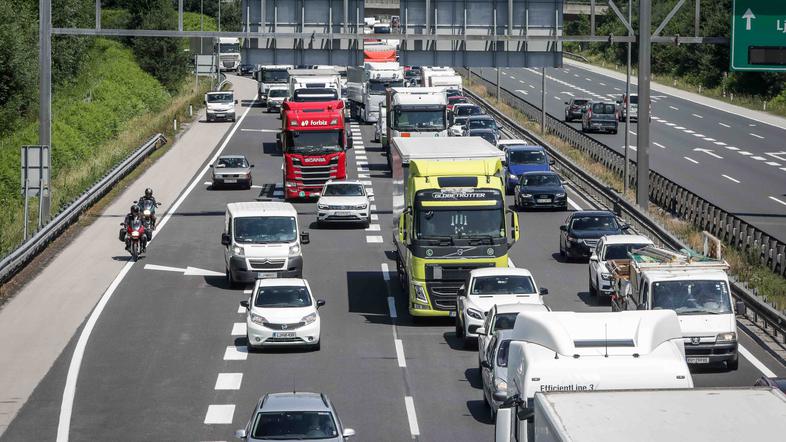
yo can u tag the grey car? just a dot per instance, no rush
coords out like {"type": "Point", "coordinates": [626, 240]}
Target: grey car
{"type": "Point", "coordinates": [494, 370]}
{"type": "Point", "coordinates": [600, 117]}
{"type": "Point", "coordinates": [574, 109]}
{"type": "Point", "coordinates": [232, 170]}
{"type": "Point", "coordinates": [297, 416]}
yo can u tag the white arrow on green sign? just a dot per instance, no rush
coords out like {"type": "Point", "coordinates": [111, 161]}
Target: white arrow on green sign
{"type": "Point", "coordinates": [758, 35]}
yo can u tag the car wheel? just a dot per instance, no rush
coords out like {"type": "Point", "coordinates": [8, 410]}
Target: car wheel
{"type": "Point", "coordinates": [459, 329]}
{"type": "Point", "coordinates": [366, 223]}
{"type": "Point", "coordinates": [230, 280]}
{"type": "Point", "coordinates": [561, 251]}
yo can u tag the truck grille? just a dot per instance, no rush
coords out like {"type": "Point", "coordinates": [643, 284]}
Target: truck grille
{"type": "Point", "coordinates": [317, 175]}
{"type": "Point", "coordinates": [267, 264]}
{"type": "Point", "coordinates": [443, 294]}
{"type": "Point", "coordinates": [443, 290]}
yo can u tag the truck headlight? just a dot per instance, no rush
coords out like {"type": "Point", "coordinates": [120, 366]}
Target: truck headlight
{"type": "Point", "coordinates": [294, 250]}
{"type": "Point", "coordinates": [500, 385]}
{"type": "Point", "coordinates": [237, 250]}
{"type": "Point", "coordinates": [471, 312]}
{"type": "Point", "coordinates": [726, 337]}
{"type": "Point", "coordinates": [420, 293]}
{"type": "Point", "coordinates": [310, 318]}
{"type": "Point", "coordinates": [256, 319]}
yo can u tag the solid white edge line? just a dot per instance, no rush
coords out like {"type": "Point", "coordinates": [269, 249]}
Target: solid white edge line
{"type": "Point", "coordinates": [385, 271]}
{"type": "Point", "coordinates": [755, 361]}
{"type": "Point", "coordinates": [409, 403]}
{"type": "Point", "coordinates": [573, 204]}
{"type": "Point", "coordinates": [402, 363]}
{"type": "Point", "coordinates": [777, 200]}
{"type": "Point", "coordinates": [392, 307]}
{"type": "Point", "coordinates": [69, 391]}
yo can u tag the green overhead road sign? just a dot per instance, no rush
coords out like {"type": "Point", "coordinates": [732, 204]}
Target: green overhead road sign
{"type": "Point", "coordinates": [758, 35]}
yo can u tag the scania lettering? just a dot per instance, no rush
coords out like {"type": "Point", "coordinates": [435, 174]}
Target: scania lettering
{"type": "Point", "coordinates": [449, 217]}
{"type": "Point", "coordinates": [366, 87]}
{"type": "Point", "coordinates": [416, 112]}
{"type": "Point", "coordinates": [313, 140]}
{"type": "Point", "coordinates": [269, 75]}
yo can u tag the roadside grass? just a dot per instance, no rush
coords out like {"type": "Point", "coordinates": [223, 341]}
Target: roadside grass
{"type": "Point", "coordinates": [745, 267]}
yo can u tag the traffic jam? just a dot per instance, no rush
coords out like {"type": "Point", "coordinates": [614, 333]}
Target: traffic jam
{"type": "Point", "coordinates": [460, 184]}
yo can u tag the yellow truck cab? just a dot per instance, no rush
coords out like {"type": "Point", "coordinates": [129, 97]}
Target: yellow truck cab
{"type": "Point", "coordinates": [449, 217]}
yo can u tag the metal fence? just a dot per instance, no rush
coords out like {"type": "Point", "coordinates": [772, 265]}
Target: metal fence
{"type": "Point", "coordinates": [664, 192]}
{"type": "Point", "coordinates": [759, 311]}
{"type": "Point", "coordinates": [19, 257]}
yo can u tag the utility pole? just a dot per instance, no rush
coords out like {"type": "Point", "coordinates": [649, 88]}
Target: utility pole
{"type": "Point", "coordinates": [44, 96]}
{"type": "Point", "coordinates": [626, 103]}
{"type": "Point", "coordinates": [543, 101]}
{"type": "Point", "coordinates": [643, 136]}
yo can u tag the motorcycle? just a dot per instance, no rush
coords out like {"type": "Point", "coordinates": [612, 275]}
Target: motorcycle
{"type": "Point", "coordinates": [135, 238]}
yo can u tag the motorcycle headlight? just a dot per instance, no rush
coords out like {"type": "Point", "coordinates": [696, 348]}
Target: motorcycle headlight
{"type": "Point", "coordinates": [294, 250]}
{"type": "Point", "coordinates": [471, 312]}
{"type": "Point", "coordinates": [420, 293]}
{"type": "Point", "coordinates": [135, 234]}
{"type": "Point", "coordinates": [310, 318]}
{"type": "Point", "coordinates": [726, 337]}
{"type": "Point", "coordinates": [322, 206]}
{"type": "Point", "coordinates": [237, 250]}
{"type": "Point", "coordinates": [256, 319]}
{"type": "Point", "coordinates": [146, 213]}
{"type": "Point", "coordinates": [500, 385]}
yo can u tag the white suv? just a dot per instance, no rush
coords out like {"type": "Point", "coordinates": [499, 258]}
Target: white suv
{"type": "Point", "coordinates": [487, 287]}
{"type": "Point", "coordinates": [282, 312]}
{"type": "Point", "coordinates": [343, 201]}
{"type": "Point", "coordinates": [608, 248]}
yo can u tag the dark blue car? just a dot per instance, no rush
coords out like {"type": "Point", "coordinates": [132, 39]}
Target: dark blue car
{"type": "Point", "coordinates": [540, 190]}
{"type": "Point", "coordinates": [522, 159]}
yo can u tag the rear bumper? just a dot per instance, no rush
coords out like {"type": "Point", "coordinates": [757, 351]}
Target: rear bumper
{"type": "Point", "coordinates": [342, 216]}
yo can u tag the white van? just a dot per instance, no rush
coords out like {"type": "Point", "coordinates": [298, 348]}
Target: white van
{"type": "Point", "coordinates": [568, 351]}
{"type": "Point", "coordinates": [261, 241]}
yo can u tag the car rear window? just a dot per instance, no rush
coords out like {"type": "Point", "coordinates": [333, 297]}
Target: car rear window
{"type": "Point", "coordinates": [603, 108]}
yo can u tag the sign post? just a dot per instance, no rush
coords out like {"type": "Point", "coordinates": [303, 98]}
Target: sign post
{"type": "Point", "coordinates": [758, 36]}
{"type": "Point", "coordinates": [35, 180]}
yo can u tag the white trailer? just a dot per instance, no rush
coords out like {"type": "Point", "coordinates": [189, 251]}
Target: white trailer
{"type": "Point", "coordinates": [441, 76]}
{"type": "Point", "coordinates": [316, 79]}
{"type": "Point", "coordinates": [580, 352]}
{"type": "Point", "coordinates": [366, 87]}
{"type": "Point", "coordinates": [416, 112]}
{"type": "Point", "coordinates": [706, 414]}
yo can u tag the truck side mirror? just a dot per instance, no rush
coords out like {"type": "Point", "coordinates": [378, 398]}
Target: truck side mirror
{"type": "Point", "coordinates": [525, 413]}
{"type": "Point", "coordinates": [740, 308]}
{"type": "Point", "coordinates": [225, 240]}
{"type": "Point", "coordinates": [235, 101]}
{"type": "Point", "coordinates": [507, 402]}
{"type": "Point", "coordinates": [305, 238]}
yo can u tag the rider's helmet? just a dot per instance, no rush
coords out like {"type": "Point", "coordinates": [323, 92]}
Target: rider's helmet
{"type": "Point", "coordinates": [135, 209]}
{"type": "Point", "coordinates": [148, 193]}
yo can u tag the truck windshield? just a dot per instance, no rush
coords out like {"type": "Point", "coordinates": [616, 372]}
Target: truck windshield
{"type": "Point", "coordinates": [502, 285]}
{"type": "Point", "coordinates": [265, 229]}
{"type": "Point", "coordinates": [692, 297]}
{"type": "Point", "coordinates": [620, 251]}
{"type": "Point", "coordinates": [378, 87]}
{"type": "Point", "coordinates": [413, 119]}
{"type": "Point", "coordinates": [314, 142]}
{"type": "Point", "coordinates": [526, 157]}
{"type": "Point", "coordinates": [220, 98]}
{"type": "Point", "coordinates": [233, 48]}
{"type": "Point", "coordinates": [460, 223]}
{"type": "Point", "coordinates": [275, 76]}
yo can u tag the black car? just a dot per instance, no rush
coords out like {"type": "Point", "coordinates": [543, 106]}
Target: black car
{"type": "Point", "coordinates": [245, 69]}
{"type": "Point", "coordinates": [540, 189]}
{"type": "Point", "coordinates": [582, 230]}
{"type": "Point", "coordinates": [574, 109]}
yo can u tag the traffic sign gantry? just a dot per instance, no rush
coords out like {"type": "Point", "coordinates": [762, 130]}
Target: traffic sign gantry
{"type": "Point", "coordinates": [758, 35]}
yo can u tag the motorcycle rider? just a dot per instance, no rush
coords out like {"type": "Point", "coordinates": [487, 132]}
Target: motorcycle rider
{"type": "Point", "coordinates": [132, 215]}
{"type": "Point", "coordinates": [148, 196]}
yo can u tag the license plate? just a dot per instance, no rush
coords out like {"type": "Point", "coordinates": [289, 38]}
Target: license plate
{"type": "Point", "coordinates": [693, 360]}
{"type": "Point", "coordinates": [264, 275]}
{"type": "Point", "coordinates": [343, 213]}
{"type": "Point", "coordinates": [230, 181]}
{"type": "Point", "coordinates": [219, 115]}
{"type": "Point", "coordinates": [452, 314]}
{"type": "Point", "coordinates": [544, 200]}
{"type": "Point", "coordinates": [283, 334]}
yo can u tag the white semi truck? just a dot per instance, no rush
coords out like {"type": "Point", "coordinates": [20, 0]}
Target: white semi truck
{"type": "Point", "coordinates": [227, 50]}
{"type": "Point", "coordinates": [416, 112]}
{"type": "Point", "coordinates": [314, 82]}
{"type": "Point", "coordinates": [269, 75]}
{"type": "Point", "coordinates": [702, 414]}
{"type": "Point", "coordinates": [580, 352]}
{"type": "Point", "coordinates": [366, 87]}
{"type": "Point", "coordinates": [695, 287]}
{"type": "Point", "coordinates": [441, 76]}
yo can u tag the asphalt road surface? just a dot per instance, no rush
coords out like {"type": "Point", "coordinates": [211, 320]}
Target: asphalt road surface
{"type": "Point", "coordinates": [737, 163]}
{"type": "Point", "coordinates": [167, 358]}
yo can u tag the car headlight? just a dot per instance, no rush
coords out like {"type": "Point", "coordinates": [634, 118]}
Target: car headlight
{"type": "Point", "coordinates": [471, 312]}
{"type": "Point", "coordinates": [560, 195]}
{"type": "Point", "coordinates": [294, 250]}
{"type": "Point", "coordinates": [513, 178]}
{"type": "Point", "coordinates": [237, 250]}
{"type": "Point", "coordinates": [361, 206]}
{"type": "Point", "coordinates": [322, 206]}
{"type": "Point", "coordinates": [256, 319]}
{"type": "Point", "coordinates": [605, 276]}
{"type": "Point", "coordinates": [526, 195]}
{"type": "Point", "coordinates": [420, 293]}
{"type": "Point", "coordinates": [500, 385]}
{"type": "Point", "coordinates": [310, 318]}
{"type": "Point", "coordinates": [726, 337]}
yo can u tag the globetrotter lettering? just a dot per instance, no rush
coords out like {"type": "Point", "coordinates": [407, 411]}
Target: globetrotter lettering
{"type": "Point", "coordinates": [450, 196]}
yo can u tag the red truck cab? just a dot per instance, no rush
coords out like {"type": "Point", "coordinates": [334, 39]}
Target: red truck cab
{"type": "Point", "coordinates": [314, 143]}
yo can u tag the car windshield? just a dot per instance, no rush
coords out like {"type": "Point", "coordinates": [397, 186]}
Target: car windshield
{"type": "Point", "coordinates": [503, 285]}
{"type": "Point", "coordinates": [482, 123]}
{"type": "Point", "coordinates": [414, 119]}
{"type": "Point", "coordinates": [505, 321]}
{"type": "Point", "coordinates": [603, 108]}
{"type": "Point", "coordinates": [540, 180]}
{"type": "Point", "coordinates": [601, 222]}
{"type": "Point", "coordinates": [452, 93]}
{"type": "Point", "coordinates": [460, 223]}
{"type": "Point", "coordinates": [466, 111]}
{"type": "Point", "coordinates": [278, 93]}
{"type": "Point", "coordinates": [275, 76]}
{"type": "Point", "coordinates": [620, 251]}
{"type": "Point", "coordinates": [265, 229]}
{"type": "Point", "coordinates": [692, 297]}
{"type": "Point", "coordinates": [580, 102]}
{"type": "Point", "coordinates": [220, 98]}
{"type": "Point", "coordinates": [282, 297]}
{"type": "Point", "coordinates": [526, 157]}
{"type": "Point", "coordinates": [313, 142]}
{"type": "Point", "coordinates": [378, 87]}
{"type": "Point", "coordinates": [297, 425]}
{"type": "Point", "coordinates": [460, 121]}
{"type": "Point", "coordinates": [232, 163]}
{"type": "Point", "coordinates": [346, 189]}
{"type": "Point", "coordinates": [502, 353]}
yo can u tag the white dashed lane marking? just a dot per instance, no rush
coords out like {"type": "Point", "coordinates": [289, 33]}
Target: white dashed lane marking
{"type": "Point", "coordinates": [757, 136]}
{"type": "Point", "coordinates": [777, 200]}
{"type": "Point", "coordinates": [691, 160]}
{"type": "Point", "coordinates": [659, 145]}
{"type": "Point", "coordinates": [731, 179]}
{"type": "Point", "coordinates": [374, 239]}
{"type": "Point", "coordinates": [674, 108]}
{"type": "Point", "coordinates": [220, 414]}
{"type": "Point", "coordinates": [228, 381]}
{"type": "Point", "coordinates": [373, 228]}
{"type": "Point", "coordinates": [239, 329]}
{"type": "Point", "coordinates": [402, 362]}
{"type": "Point", "coordinates": [697, 115]}
{"type": "Point", "coordinates": [236, 353]}
{"type": "Point", "coordinates": [724, 124]}
{"type": "Point", "coordinates": [409, 403]}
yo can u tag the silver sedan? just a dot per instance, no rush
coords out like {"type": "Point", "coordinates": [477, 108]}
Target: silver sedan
{"type": "Point", "coordinates": [232, 170]}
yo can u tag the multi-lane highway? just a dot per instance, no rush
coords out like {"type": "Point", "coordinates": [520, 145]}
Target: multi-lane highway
{"type": "Point", "coordinates": [736, 162]}
{"type": "Point", "coordinates": [167, 358]}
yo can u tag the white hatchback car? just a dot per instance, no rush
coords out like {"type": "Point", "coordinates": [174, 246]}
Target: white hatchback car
{"type": "Point", "coordinates": [282, 312]}
{"type": "Point", "coordinates": [344, 201]}
{"type": "Point", "coordinates": [487, 287]}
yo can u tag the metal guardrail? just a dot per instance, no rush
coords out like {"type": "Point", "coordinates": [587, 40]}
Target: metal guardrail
{"type": "Point", "coordinates": [19, 257]}
{"type": "Point", "coordinates": [758, 310]}
{"type": "Point", "coordinates": [664, 192]}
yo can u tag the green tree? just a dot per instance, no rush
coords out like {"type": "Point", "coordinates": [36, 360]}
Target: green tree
{"type": "Point", "coordinates": [18, 62]}
{"type": "Point", "coordinates": [164, 58]}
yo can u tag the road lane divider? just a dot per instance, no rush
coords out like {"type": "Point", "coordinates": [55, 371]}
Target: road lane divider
{"type": "Point", "coordinates": [220, 414]}
{"type": "Point", "coordinates": [228, 381]}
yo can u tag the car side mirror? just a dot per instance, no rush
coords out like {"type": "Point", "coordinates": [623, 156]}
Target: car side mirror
{"type": "Point", "coordinates": [485, 364]}
{"type": "Point", "coordinates": [567, 102]}
{"type": "Point", "coordinates": [740, 308]}
{"type": "Point", "coordinates": [350, 143]}
{"type": "Point", "coordinates": [564, 228]}
{"type": "Point", "coordinates": [225, 240]}
{"type": "Point", "coordinates": [211, 166]}
{"type": "Point", "coordinates": [544, 291]}
{"type": "Point", "coordinates": [625, 226]}
{"type": "Point", "coordinates": [244, 304]}
{"type": "Point", "coordinates": [348, 432]}
{"type": "Point", "coordinates": [320, 303]}
{"type": "Point", "coordinates": [551, 162]}
{"type": "Point", "coordinates": [235, 101]}
{"type": "Point", "coordinates": [481, 331]}
{"type": "Point", "coordinates": [251, 165]}
{"type": "Point", "coordinates": [241, 434]}
{"type": "Point", "coordinates": [305, 238]}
